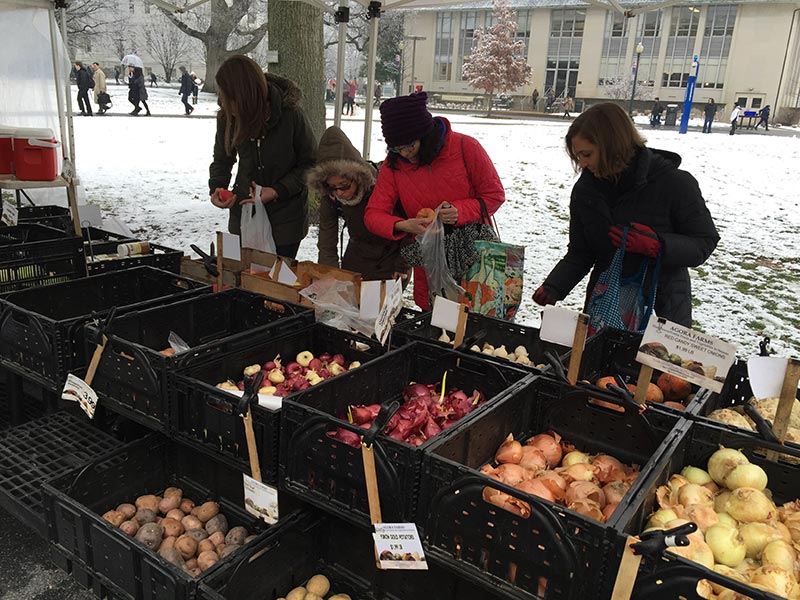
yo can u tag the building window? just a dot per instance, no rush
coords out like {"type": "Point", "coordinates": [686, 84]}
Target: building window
{"type": "Point", "coordinates": [648, 32]}
{"type": "Point", "coordinates": [680, 46]}
{"type": "Point", "coordinates": [684, 21]}
{"type": "Point", "coordinates": [755, 103]}
{"type": "Point", "coordinates": [717, 40]}
{"type": "Point", "coordinates": [443, 58]}
{"type": "Point", "coordinates": [524, 27]}
{"type": "Point", "coordinates": [615, 46]}
{"type": "Point", "coordinates": [470, 21]}
{"type": "Point", "coordinates": [564, 51]}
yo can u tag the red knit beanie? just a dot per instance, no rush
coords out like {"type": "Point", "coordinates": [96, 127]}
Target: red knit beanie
{"type": "Point", "coordinates": [405, 119]}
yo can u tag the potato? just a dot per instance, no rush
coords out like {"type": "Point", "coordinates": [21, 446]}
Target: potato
{"type": "Point", "coordinates": [198, 535]}
{"type": "Point", "coordinates": [191, 563]}
{"type": "Point", "coordinates": [194, 572]}
{"type": "Point", "coordinates": [128, 510]}
{"type": "Point", "coordinates": [172, 527]}
{"type": "Point", "coordinates": [229, 549]}
{"type": "Point", "coordinates": [186, 506]}
{"type": "Point", "coordinates": [145, 515]}
{"type": "Point", "coordinates": [310, 596]}
{"type": "Point", "coordinates": [114, 517]}
{"type": "Point", "coordinates": [171, 555]}
{"type": "Point", "coordinates": [150, 535]}
{"type": "Point", "coordinates": [191, 522]}
{"type": "Point", "coordinates": [186, 545]}
{"type": "Point", "coordinates": [205, 511]}
{"type": "Point", "coordinates": [176, 513]}
{"type": "Point", "coordinates": [168, 503]}
{"type": "Point", "coordinates": [236, 535]}
{"type": "Point", "coordinates": [207, 560]}
{"type": "Point", "coordinates": [318, 585]}
{"type": "Point", "coordinates": [149, 501]}
{"type": "Point", "coordinates": [217, 537]}
{"type": "Point", "coordinates": [216, 523]}
{"type": "Point", "coordinates": [298, 593]}
{"type": "Point", "coordinates": [173, 491]}
{"type": "Point", "coordinates": [130, 527]}
{"type": "Point", "coordinates": [206, 546]}
{"type": "Point", "coordinates": [167, 542]}
{"type": "Point", "coordinates": [220, 548]}
{"type": "Point", "coordinates": [340, 597]}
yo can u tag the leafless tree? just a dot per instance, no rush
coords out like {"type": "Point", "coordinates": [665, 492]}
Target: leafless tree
{"type": "Point", "coordinates": [87, 20]}
{"type": "Point", "coordinates": [621, 88]}
{"type": "Point", "coordinates": [166, 43]}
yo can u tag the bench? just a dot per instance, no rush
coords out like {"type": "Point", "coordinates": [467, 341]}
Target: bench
{"type": "Point", "coordinates": [456, 99]}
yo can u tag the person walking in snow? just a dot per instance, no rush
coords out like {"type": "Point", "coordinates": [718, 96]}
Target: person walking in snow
{"type": "Point", "coordinates": [655, 113]}
{"type": "Point", "coordinates": [196, 88]}
{"type": "Point", "coordinates": [85, 82]}
{"type": "Point", "coordinates": [99, 88]}
{"type": "Point", "coordinates": [569, 105]}
{"type": "Point", "coordinates": [734, 118]}
{"type": "Point", "coordinates": [343, 182]}
{"type": "Point", "coordinates": [428, 166]}
{"type": "Point", "coordinates": [763, 117]}
{"type": "Point", "coordinates": [137, 91]}
{"type": "Point", "coordinates": [709, 111]}
{"type": "Point", "coordinates": [621, 183]}
{"type": "Point", "coordinates": [187, 85]}
{"type": "Point", "coordinates": [534, 98]}
{"type": "Point", "coordinates": [153, 79]}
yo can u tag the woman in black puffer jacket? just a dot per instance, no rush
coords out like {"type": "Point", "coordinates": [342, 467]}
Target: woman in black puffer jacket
{"type": "Point", "coordinates": [624, 183]}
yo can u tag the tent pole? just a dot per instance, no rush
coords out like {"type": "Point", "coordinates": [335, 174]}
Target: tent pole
{"type": "Point", "coordinates": [342, 18]}
{"type": "Point", "coordinates": [70, 169]}
{"type": "Point", "coordinates": [374, 13]}
{"type": "Point", "coordinates": [62, 125]}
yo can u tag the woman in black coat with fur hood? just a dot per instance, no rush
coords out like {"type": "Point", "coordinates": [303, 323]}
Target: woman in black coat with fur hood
{"type": "Point", "coordinates": [343, 182]}
{"type": "Point", "coordinates": [623, 183]}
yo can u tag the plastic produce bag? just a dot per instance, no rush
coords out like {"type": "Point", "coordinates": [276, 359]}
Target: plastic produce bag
{"type": "Point", "coordinates": [335, 304]}
{"type": "Point", "coordinates": [176, 343]}
{"type": "Point", "coordinates": [256, 230]}
{"type": "Point", "coordinates": [434, 261]}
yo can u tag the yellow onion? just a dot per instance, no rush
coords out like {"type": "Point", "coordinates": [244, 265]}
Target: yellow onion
{"type": "Point", "coordinates": [747, 566]}
{"type": "Point", "coordinates": [660, 518]}
{"type": "Point", "coordinates": [549, 444]}
{"type": "Point", "coordinates": [537, 488]}
{"type": "Point", "coordinates": [555, 483]}
{"type": "Point", "coordinates": [578, 472]}
{"type": "Point", "coordinates": [720, 500]}
{"type": "Point", "coordinates": [728, 548]}
{"type": "Point", "coordinates": [722, 462]}
{"type": "Point", "coordinates": [510, 473]}
{"type": "Point", "coordinates": [696, 475]}
{"type": "Point", "coordinates": [704, 516]}
{"type": "Point", "coordinates": [726, 519]}
{"type": "Point", "coordinates": [792, 523]}
{"type": "Point", "coordinates": [704, 590]}
{"type": "Point", "coordinates": [575, 457]}
{"type": "Point", "coordinates": [507, 502]}
{"type": "Point", "coordinates": [748, 505]}
{"type": "Point", "coordinates": [758, 535]}
{"type": "Point", "coordinates": [691, 493]}
{"type": "Point", "coordinates": [607, 468]}
{"type": "Point", "coordinates": [779, 553]}
{"type": "Point", "coordinates": [587, 508]}
{"type": "Point", "coordinates": [615, 491]}
{"type": "Point", "coordinates": [777, 580]}
{"type": "Point", "coordinates": [731, 595]}
{"type": "Point", "coordinates": [697, 551]}
{"type": "Point", "coordinates": [749, 475]}
{"type": "Point", "coordinates": [578, 490]}
{"type": "Point", "coordinates": [727, 572]}
{"type": "Point", "coordinates": [608, 510]}
{"type": "Point", "coordinates": [510, 451]}
{"type": "Point", "coordinates": [676, 482]}
{"type": "Point", "coordinates": [533, 458]}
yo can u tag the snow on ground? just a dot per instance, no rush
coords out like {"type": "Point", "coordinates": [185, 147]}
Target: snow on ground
{"type": "Point", "coordinates": [152, 173]}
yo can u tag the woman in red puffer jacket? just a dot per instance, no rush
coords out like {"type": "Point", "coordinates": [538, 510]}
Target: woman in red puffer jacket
{"type": "Point", "coordinates": [428, 166]}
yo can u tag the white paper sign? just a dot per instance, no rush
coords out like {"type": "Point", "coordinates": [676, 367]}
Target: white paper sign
{"type": "Point", "coordinates": [10, 213]}
{"type": "Point", "coordinates": [77, 390]}
{"type": "Point", "coordinates": [445, 313]}
{"type": "Point", "coordinates": [766, 374]}
{"type": "Point", "coordinates": [254, 268]}
{"type": "Point", "coordinates": [558, 325]}
{"type": "Point", "coordinates": [391, 306]}
{"type": "Point", "coordinates": [696, 357]}
{"type": "Point", "coordinates": [231, 246]}
{"type": "Point", "coordinates": [370, 303]}
{"type": "Point", "coordinates": [260, 499]}
{"type": "Point", "coordinates": [265, 400]}
{"type": "Point", "coordinates": [398, 546]}
{"type": "Point", "coordinates": [282, 273]}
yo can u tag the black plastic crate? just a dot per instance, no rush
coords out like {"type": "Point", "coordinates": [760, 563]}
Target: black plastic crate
{"type": "Point", "coordinates": [613, 352]}
{"type": "Point", "coordinates": [160, 257]}
{"type": "Point", "coordinates": [330, 473]}
{"type": "Point", "coordinates": [57, 217]}
{"type": "Point", "coordinates": [33, 255]}
{"type": "Point", "coordinates": [135, 379]}
{"type": "Point", "coordinates": [482, 329]}
{"type": "Point", "coordinates": [41, 334]}
{"type": "Point", "coordinates": [556, 553]}
{"type": "Point", "coordinates": [43, 448]}
{"type": "Point", "coordinates": [693, 446]}
{"type": "Point", "coordinates": [22, 401]}
{"type": "Point", "coordinates": [312, 544]}
{"type": "Point", "coordinates": [93, 236]}
{"type": "Point", "coordinates": [75, 502]}
{"type": "Point", "coordinates": [204, 415]}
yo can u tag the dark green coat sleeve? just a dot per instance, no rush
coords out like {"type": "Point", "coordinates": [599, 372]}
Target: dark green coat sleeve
{"type": "Point", "coordinates": [219, 172]}
{"type": "Point", "coordinates": [305, 148]}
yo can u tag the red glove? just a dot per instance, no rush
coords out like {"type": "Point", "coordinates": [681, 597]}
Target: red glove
{"type": "Point", "coordinates": [544, 296]}
{"type": "Point", "coordinates": [641, 239]}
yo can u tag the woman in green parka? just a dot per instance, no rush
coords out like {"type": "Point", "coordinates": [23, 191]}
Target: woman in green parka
{"type": "Point", "coordinates": [260, 122]}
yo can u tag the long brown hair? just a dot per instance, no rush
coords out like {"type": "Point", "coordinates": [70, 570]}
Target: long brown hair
{"type": "Point", "coordinates": [243, 99]}
{"type": "Point", "coordinates": [609, 128]}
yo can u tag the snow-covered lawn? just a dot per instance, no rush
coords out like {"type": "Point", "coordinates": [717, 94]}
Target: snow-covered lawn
{"type": "Point", "coordinates": [152, 173]}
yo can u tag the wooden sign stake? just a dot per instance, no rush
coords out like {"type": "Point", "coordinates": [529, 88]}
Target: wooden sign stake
{"type": "Point", "coordinates": [645, 375]}
{"type": "Point", "coordinates": [252, 449]}
{"type": "Point", "coordinates": [98, 352]}
{"type": "Point", "coordinates": [785, 403]}
{"type": "Point", "coordinates": [578, 342]}
{"type": "Point", "coordinates": [626, 574]}
{"type": "Point", "coordinates": [220, 270]}
{"type": "Point", "coordinates": [373, 496]}
{"type": "Point", "coordinates": [461, 326]}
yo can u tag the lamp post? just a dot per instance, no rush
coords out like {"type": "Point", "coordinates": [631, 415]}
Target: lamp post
{"type": "Point", "coordinates": [639, 50]}
{"type": "Point", "coordinates": [413, 39]}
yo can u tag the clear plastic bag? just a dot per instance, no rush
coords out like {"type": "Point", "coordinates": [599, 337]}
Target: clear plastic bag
{"type": "Point", "coordinates": [335, 304]}
{"type": "Point", "coordinates": [434, 261]}
{"type": "Point", "coordinates": [176, 343]}
{"type": "Point", "coordinates": [256, 230]}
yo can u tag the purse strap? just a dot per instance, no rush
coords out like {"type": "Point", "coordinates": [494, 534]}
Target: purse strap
{"type": "Point", "coordinates": [485, 217]}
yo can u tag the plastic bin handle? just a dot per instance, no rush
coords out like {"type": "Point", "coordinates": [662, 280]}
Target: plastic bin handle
{"type": "Point", "coordinates": [653, 543]}
{"type": "Point", "coordinates": [252, 383]}
{"type": "Point", "coordinates": [379, 424]}
{"type": "Point", "coordinates": [42, 143]}
{"type": "Point", "coordinates": [763, 426]}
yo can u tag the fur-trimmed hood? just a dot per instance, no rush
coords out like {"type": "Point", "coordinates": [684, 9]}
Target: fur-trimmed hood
{"type": "Point", "coordinates": [291, 94]}
{"type": "Point", "coordinates": [338, 156]}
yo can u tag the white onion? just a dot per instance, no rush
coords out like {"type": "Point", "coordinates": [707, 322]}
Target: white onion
{"type": "Point", "coordinates": [660, 518]}
{"type": "Point", "coordinates": [728, 548]}
{"type": "Point", "coordinates": [722, 462]}
{"type": "Point", "coordinates": [775, 579]}
{"type": "Point", "coordinates": [726, 519]}
{"type": "Point", "coordinates": [756, 536]}
{"type": "Point", "coordinates": [750, 476]}
{"type": "Point", "coordinates": [573, 458]}
{"type": "Point", "coordinates": [779, 553]}
{"type": "Point", "coordinates": [749, 504]}
{"type": "Point", "coordinates": [696, 475]}
{"type": "Point", "coordinates": [691, 493]}
{"type": "Point", "coordinates": [720, 500]}
{"type": "Point", "coordinates": [727, 572]}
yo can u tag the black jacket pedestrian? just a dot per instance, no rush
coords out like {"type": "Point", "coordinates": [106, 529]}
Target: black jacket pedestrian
{"type": "Point", "coordinates": [763, 114]}
{"type": "Point", "coordinates": [137, 90]}
{"type": "Point", "coordinates": [84, 81]}
{"type": "Point", "coordinates": [710, 109]}
{"type": "Point", "coordinates": [654, 192]}
{"type": "Point", "coordinates": [187, 85]}
{"type": "Point", "coordinates": [278, 158]}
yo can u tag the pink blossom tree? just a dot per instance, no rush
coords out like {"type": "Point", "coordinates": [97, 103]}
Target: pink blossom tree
{"type": "Point", "coordinates": [497, 62]}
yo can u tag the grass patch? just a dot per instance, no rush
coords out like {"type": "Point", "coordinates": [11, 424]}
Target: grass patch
{"type": "Point", "coordinates": [757, 325]}
{"type": "Point", "coordinates": [696, 301]}
{"type": "Point", "coordinates": [742, 286]}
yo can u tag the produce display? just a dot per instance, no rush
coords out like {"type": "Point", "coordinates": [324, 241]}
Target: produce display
{"type": "Point", "coordinates": [741, 534]}
{"type": "Point", "coordinates": [548, 467]}
{"type": "Point", "coordinates": [303, 372]}
{"type": "Point", "coordinates": [767, 409]}
{"type": "Point", "coordinates": [315, 588]}
{"type": "Point", "coordinates": [519, 355]}
{"type": "Point", "coordinates": [191, 537]}
{"type": "Point", "coordinates": [424, 414]}
{"type": "Point", "coordinates": [668, 390]}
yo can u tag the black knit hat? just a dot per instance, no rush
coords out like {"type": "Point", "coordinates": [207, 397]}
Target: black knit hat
{"type": "Point", "coordinates": [405, 119]}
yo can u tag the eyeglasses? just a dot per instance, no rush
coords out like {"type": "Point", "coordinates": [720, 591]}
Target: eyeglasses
{"type": "Point", "coordinates": [338, 188]}
{"type": "Point", "coordinates": [401, 149]}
